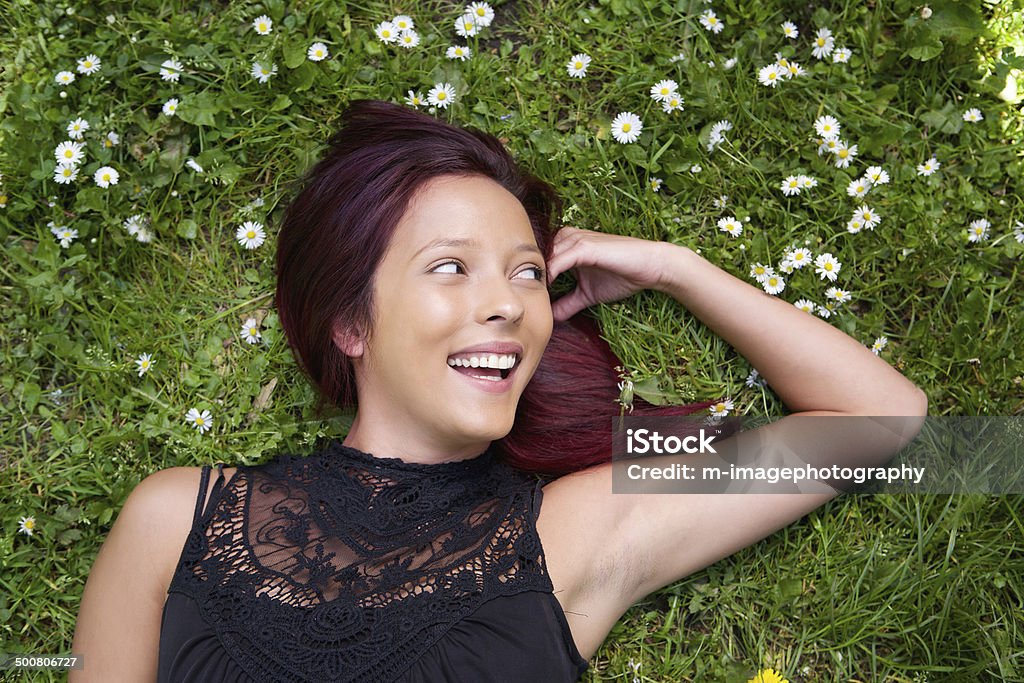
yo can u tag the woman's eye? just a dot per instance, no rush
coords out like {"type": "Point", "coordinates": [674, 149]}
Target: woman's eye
{"type": "Point", "coordinates": [537, 270]}
{"type": "Point", "coordinates": [452, 266]}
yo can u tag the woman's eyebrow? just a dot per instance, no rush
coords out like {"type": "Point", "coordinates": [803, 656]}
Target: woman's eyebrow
{"type": "Point", "coordinates": [461, 242]}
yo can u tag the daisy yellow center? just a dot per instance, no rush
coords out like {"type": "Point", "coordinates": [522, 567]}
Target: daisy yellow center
{"type": "Point", "coordinates": [319, 53]}
{"type": "Point", "coordinates": [480, 11]}
{"type": "Point", "coordinates": [773, 281]}
{"type": "Point", "coordinates": [252, 330]}
{"type": "Point", "coordinates": [108, 143]}
{"type": "Point", "coordinates": [664, 91]}
{"type": "Point", "coordinates": [759, 271]}
{"type": "Point", "coordinates": [867, 215]}
{"type": "Point", "coordinates": [626, 127]}
{"type": "Point", "coordinates": [263, 27]}
{"type": "Point", "coordinates": [843, 154]}
{"type": "Point", "coordinates": [468, 26]}
{"type": "Point", "coordinates": [712, 20]}
{"type": "Point", "coordinates": [88, 65]}
{"type": "Point", "coordinates": [719, 407]}
{"type": "Point", "coordinates": [250, 234]}
{"type": "Point", "coordinates": [68, 153]}
{"type": "Point", "coordinates": [106, 177]}
{"type": "Point", "coordinates": [145, 363]}
{"type": "Point", "coordinates": [199, 421]}
{"type": "Point", "coordinates": [798, 257]}
{"type": "Point", "coordinates": [265, 72]}
{"type": "Point", "coordinates": [828, 266]}
{"type": "Point", "coordinates": [441, 95]}
{"type": "Point", "coordinates": [772, 75]}
{"type": "Point", "coordinates": [386, 33]}
{"type": "Point", "coordinates": [578, 65]}
{"type": "Point", "coordinates": [30, 524]}
{"type": "Point", "coordinates": [821, 42]}
{"type": "Point", "coordinates": [66, 172]}
{"type": "Point", "coordinates": [793, 183]}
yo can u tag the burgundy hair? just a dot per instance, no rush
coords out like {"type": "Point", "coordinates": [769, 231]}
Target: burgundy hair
{"type": "Point", "coordinates": [336, 231]}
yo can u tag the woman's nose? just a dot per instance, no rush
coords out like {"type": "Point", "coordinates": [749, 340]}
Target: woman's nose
{"type": "Point", "coordinates": [501, 301]}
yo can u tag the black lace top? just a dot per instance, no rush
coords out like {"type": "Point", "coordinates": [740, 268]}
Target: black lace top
{"type": "Point", "coordinates": [343, 566]}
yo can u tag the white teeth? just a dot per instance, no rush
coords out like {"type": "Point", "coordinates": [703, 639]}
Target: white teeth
{"type": "Point", "coordinates": [502, 362]}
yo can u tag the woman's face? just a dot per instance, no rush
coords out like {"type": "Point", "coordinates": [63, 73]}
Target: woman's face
{"type": "Point", "coordinates": [460, 285]}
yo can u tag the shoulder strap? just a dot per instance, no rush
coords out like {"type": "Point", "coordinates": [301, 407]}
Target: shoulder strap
{"type": "Point", "coordinates": [204, 479]}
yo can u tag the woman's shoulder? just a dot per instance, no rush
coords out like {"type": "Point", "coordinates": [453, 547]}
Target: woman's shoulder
{"type": "Point", "coordinates": [164, 505]}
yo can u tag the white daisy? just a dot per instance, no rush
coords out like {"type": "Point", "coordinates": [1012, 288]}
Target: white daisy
{"type": "Point", "coordinates": [759, 271]}
{"type": "Point", "coordinates": [65, 235]}
{"type": "Point", "coordinates": [577, 66]}
{"type": "Point", "coordinates": [696, 168]}
{"type": "Point", "coordinates": [460, 52]}
{"type": "Point", "coordinates": [88, 65]}
{"type": "Point", "coordinates": [171, 107]}
{"type": "Point", "coordinates": [386, 31]}
{"type": "Point", "coordinates": [840, 296]}
{"type": "Point", "coordinates": [133, 224]}
{"type": "Point", "coordinates": [262, 25]}
{"type": "Point", "coordinates": [482, 13]}
{"type": "Point", "coordinates": [854, 225]}
{"type": "Point", "coordinates": [655, 184]}
{"type": "Point", "coordinates": [403, 22]}
{"type": "Point", "coordinates": [973, 115]}
{"type": "Point", "coordinates": [842, 55]}
{"type": "Point", "coordinates": [251, 331]}
{"type": "Point", "coordinates": [858, 187]}
{"type": "Point", "coordinates": [408, 38]}
{"type": "Point", "coordinates": [826, 310]}
{"type": "Point", "coordinates": [144, 235]}
{"type": "Point", "coordinates": [662, 90]}
{"type": "Point", "coordinates": [77, 128]}
{"type": "Point", "coordinates": [876, 175]}
{"type": "Point", "coordinates": [466, 25]}
{"type": "Point", "coordinates": [845, 154]}
{"type": "Point", "coordinates": [978, 230]}
{"type": "Point", "coordinates": [250, 234]}
{"type": "Point", "coordinates": [807, 182]}
{"type": "Point", "coordinates": [791, 186]}
{"type": "Point", "coordinates": [626, 127]}
{"type": "Point", "coordinates": [191, 163]}
{"type": "Point", "coordinates": [869, 216]}
{"type": "Point", "coordinates": [145, 362]}
{"type": "Point", "coordinates": [441, 95]}
{"type": "Point", "coordinates": [929, 167]}
{"type": "Point", "coordinates": [823, 43]}
{"type": "Point", "coordinates": [1018, 232]}
{"type": "Point", "coordinates": [261, 72]}
{"type": "Point", "coordinates": [799, 257]}
{"type": "Point", "coordinates": [721, 408]}
{"type": "Point", "coordinates": [830, 145]}
{"type": "Point", "coordinates": [27, 525]}
{"type": "Point", "coordinates": [105, 176]}
{"type": "Point", "coordinates": [711, 22]}
{"type": "Point", "coordinates": [773, 284]}
{"type": "Point", "coordinates": [827, 266]}
{"type": "Point", "coordinates": [111, 139]}
{"type": "Point", "coordinates": [65, 78]}
{"type": "Point", "coordinates": [65, 173]}
{"type": "Point", "coordinates": [793, 69]}
{"type": "Point", "coordinates": [170, 70]}
{"type": "Point", "coordinates": [790, 30]}
{"type": "Point", "coordinates": [672, 103]}
{"type": "Point", "coordinates": [879, 344]}
{"type": "Point", "coordinates": [827, 127]}
{"type": "Point", "coordinates": [720, 201]}
{"type": "Point", "coordinates": [729, 63]}
{"type": "Point", "coordinates": [201, 421]}
{"type": "Point", "coordinates": [414, 99]}
{"type": "Point", "coordinates": [730, 225]}
{"type": "Point", "coordinates": [770, 75]}
{"type": "Point", "coordinates": [317, 52]}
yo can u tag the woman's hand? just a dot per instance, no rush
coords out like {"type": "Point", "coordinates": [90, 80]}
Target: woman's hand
{"type": "Point", "coordinates": [607, 267]}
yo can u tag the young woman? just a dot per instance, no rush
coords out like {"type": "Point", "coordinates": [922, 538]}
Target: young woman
{"type": "Point", "coordinates": [413, 282]}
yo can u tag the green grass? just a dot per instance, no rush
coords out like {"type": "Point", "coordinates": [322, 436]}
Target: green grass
{"type": "Point", "coordinates": [879, 588]}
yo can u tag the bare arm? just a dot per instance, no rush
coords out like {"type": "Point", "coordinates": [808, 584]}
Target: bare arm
{"type": "Point", "coordinates": [814, 368]}
{"type": "Point", "coordinates": [118, 629]}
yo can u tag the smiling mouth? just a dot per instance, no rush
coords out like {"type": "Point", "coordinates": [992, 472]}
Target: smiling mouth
{"type": "Point", "coordinates": [492, 367]}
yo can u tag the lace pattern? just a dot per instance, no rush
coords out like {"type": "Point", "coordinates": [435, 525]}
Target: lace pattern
{"type": "Point", "coordinates": [344, 566]}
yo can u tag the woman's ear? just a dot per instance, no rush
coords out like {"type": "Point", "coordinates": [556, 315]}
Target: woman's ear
{"type": "Point", "coordinates": [347, 339]}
